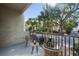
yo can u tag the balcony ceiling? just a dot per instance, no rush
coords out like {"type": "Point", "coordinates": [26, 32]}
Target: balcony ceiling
{"type": "Point", "coordinates": [20, 7]}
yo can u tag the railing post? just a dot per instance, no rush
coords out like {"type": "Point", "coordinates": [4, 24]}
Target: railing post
{"type": "Point", "coordinates": [73, 46]}
{"type": "Point", "coordinates": [69, 45]}
{"type": "Point", "coordinates": [65, 45]}
{"type": "Point", "coordinates": [61, 44]}
{"type": "Point", "coordinates": [61, 41]}
{"type": "Point", "coordinates": [58, 40]}
{"type": "Point", "coordinates": [53, 39]}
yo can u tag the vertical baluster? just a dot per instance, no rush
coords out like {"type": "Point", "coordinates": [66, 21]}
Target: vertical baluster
{"type": "Point", "coordinates": [73, 46]}
{"type": "Point", "coordinates": [69, 45]}
{"type": "Point", "coordinates": [65, 45]}
{"type": "Point", "coordinates": [58, 41]}
{"type": "Point", "coordinates": [78, 46]}
{"type": "Point", "coordinates": [61, 44]}
{"type": "Point", "coordinates": [51, 36]}
{"type": "Point", "coordinates": [61, 41]}
{"type": "Point", "coordinates": [53, 40]}
{"type": "Point", "coordinates": [42, 34]}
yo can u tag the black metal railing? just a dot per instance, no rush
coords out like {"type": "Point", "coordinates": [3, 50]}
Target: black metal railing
{"type": "Point", "coordinates": [66, 42]}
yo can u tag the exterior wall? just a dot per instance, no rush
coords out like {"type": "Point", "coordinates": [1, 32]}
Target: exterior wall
{"type": "Point", "coordinates": [11, 27]}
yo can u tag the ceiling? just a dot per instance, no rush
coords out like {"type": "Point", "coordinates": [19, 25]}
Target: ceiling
{"type": "Point", "coordinates": [20, 7]}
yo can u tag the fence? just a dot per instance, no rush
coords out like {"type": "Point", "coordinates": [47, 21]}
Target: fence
{"type": "Point", "coordinates": [66, 42]}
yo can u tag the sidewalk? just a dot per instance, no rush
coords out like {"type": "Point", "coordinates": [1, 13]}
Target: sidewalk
{"type": "Point", "coordinates": [20, 50]}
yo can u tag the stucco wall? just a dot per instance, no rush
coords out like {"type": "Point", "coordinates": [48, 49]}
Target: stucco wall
{"type": "Point", "coordinates": [11, 27]}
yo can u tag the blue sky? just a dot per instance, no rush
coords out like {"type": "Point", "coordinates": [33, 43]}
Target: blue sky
{"type": "Point", "coordinates": [33, 11]}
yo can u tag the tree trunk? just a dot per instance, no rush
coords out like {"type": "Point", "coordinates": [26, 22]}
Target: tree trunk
{"type": "Point", "coordinates": [61, 27]}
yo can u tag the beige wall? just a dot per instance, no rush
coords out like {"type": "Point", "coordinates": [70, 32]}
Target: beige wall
{"type": "Point", "coordinates": [11, 27]}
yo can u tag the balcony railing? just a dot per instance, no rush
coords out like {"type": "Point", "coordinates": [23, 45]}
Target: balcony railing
{"type": "Point", "coordinates": [65, 42]}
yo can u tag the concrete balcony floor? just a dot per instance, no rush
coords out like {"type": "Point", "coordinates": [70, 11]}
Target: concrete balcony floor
{"type": "Point", "coordinates": [20, 50]}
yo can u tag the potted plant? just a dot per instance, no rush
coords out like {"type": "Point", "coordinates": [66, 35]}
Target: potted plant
{"type": "Point", "coordinates": [49, 43]}
{"type": "Point", "coordinates": [50, 49]}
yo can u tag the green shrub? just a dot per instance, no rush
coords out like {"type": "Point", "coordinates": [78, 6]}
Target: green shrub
{"type": "Point", "coordinates": [77, 47]}
{"type": "Point", "coordinates": [77, 44]}
{"type": "Point", "coordinates": [68, 30]}
{"type": "Point", "coordinates": [50, 45]}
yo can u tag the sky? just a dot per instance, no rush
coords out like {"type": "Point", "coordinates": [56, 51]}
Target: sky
{"type": "Point", "coordinates": [33, 11]}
